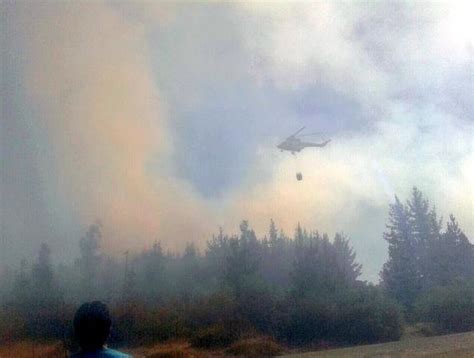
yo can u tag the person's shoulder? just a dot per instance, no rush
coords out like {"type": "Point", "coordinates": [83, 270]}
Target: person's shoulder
{"type": "Point", "coordinates": [105, 353]}
{"type": "Point", "coordinates": [111, 353]}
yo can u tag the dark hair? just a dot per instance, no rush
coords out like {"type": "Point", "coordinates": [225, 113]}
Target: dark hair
{"type": "Point", "coordinates": [92, 325]}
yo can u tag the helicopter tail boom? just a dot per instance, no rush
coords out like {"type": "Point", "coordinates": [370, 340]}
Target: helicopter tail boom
{"type": "Point", "coordinates": [323, 144]}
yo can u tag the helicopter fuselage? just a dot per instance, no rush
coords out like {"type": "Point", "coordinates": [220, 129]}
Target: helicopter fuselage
{"type": "Point", "coordinates": [297, 145]}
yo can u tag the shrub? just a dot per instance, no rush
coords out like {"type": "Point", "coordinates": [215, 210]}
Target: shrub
{"type": "Point", "coordinates": [255, 347]}
{"type": "Point", "coordinates": [27, 349]}
{"type": "Point", "coordinates": [45, 324]}
{"type": "Point", "coordinates": [257, 307]}
{"type": "Point", "coordinates": [366, 316]}
{"type": "Point", "coordinates": [138, 325]}
{"type": "Point", "coordinates": [213, 336]}
{"type": "Point", "coordinates": [346, 317]}
{"type": "Point", "coordinates": [208, 316]}
{"type": "Point", "coordinates": [450, 309]}
{"type": "Point", "coordinates": [420, 329]}
{"type": "Point", "coordinates": [13, 327]}
{"type": "Point", "coordinates": [173, 349]}
{"type": "Point", "coordinates": [51, 324]}
{"type": "Point", "coordinates": [218, 308]}
{"type": "Point", "coordinates": [303, 321]}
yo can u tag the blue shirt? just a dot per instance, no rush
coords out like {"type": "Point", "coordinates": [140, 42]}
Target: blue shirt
{"type": "Point", "coordinates": [101, 353]}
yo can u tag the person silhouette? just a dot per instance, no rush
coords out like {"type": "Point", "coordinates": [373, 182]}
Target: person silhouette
{"type": "Point", "coordinates": [92, 324]}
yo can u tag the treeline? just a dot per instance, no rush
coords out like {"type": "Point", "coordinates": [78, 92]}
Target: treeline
{"type": "Point", "coordinates": [300, 290]}
{"type": "Point", "coordinates": [430, 272]}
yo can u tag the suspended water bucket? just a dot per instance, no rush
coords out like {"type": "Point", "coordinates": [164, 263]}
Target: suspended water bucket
{"type": "Point", "coordinates": [299, 176]}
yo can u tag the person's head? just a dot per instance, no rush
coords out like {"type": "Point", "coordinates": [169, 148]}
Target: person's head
{"type": "Point", "coordinates": [92, 325]}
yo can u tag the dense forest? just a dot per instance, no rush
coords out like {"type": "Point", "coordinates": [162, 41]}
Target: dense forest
{"type": "Point", "coordinates": [301, 290]}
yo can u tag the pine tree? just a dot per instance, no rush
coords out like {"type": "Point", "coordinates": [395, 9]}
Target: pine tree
{"type": "Point", "coordinates": [42, 277]}
{"type": "Point", "coordinates": [153, 276]}
{"type": "Point", "coordinates": [129, 280]}
{"type": "Point", "coordinates": [22, 297]}
{"type": "Point", "coordinates": [348, 270]}
{"type": "Point", "coordinates": [90, 260]}
{"type": "Point", "coordinates": [400, 274]}
{"type": "Point", "coordinates": [420, 256]}
{"type": "Point", "coordinates": [425, 228]}
{"type": "Point", "coordinates": [250, 249]}
{"type": "Point", "coordinates": [277, 259]}
{"type": "Point", "coordinates": [235, 260]}
{"type": "Point", "coordinates": [273, 234]}
{"type": "Point", "coordinates": [190, 271]}
{"type": "Point", "coordinates": [454, 255]}
{"type": "Point", "coordinates": [309, 274]}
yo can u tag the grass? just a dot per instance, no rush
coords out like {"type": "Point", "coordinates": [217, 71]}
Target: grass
{"type": "Point", "coordinates": [454, 345]}
{"type": "Point", "coordinates": [176, 349]}
{"type": "Point", "coordinates": [27, 349]}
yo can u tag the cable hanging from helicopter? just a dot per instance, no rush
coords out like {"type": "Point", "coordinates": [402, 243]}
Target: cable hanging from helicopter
{"type": "Point", "coordinates": [295, 144]}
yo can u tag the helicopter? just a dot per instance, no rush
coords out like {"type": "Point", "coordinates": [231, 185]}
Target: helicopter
{"type": "Point", "coordinates": [294, 144]}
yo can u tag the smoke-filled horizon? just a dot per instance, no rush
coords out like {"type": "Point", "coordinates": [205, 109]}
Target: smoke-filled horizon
{"type": "Point", "coordinates": [161, 120]}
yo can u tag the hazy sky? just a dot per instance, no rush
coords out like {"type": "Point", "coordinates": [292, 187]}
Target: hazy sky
{"type": "Point", "coordinates": [163, 118]}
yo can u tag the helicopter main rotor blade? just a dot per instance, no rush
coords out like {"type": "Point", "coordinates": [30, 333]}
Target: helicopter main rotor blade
{"type": "Point", "coordinates": [310, 134]}
{"type": "Point", "coordinates": [298, 131]}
